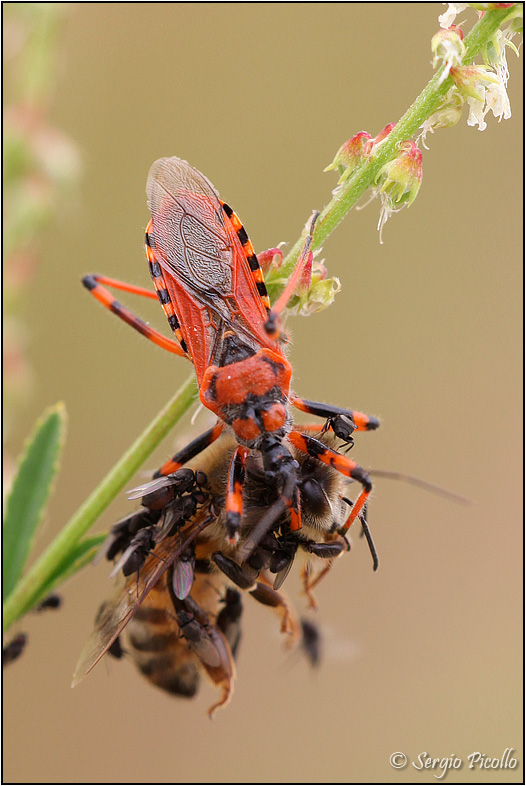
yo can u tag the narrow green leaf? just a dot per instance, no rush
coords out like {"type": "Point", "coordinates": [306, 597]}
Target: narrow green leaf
{"type": "Point", "coordinates": [31, 488]}
{"type": "Point", "coordinates": [81, 554]}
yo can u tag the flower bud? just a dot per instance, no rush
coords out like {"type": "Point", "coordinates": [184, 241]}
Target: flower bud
{"type": "Point", "coordinates": [447, 115]}
{"type": "Point", "coordinates": [471, 81]}
{"type": "Point", "coordinates": [320, 295]}
{"type": "Point", "coordinates": [350, 155]}
{"type": "Point", "coordinates": [401, 177]}
{"type": "Point", "coordinates": [490, 6]}
{"type": "Point", "coordinates": [448, 47]}
{"type": "Point", "coordinates": [371, 144]}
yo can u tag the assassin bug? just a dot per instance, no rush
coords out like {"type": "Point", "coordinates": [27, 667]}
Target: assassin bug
{"type": "Point", "coordinates": [210, 285]}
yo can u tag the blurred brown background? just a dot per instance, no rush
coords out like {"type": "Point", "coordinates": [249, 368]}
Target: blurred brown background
{"type": "Point", "coordinates": [425, 655]}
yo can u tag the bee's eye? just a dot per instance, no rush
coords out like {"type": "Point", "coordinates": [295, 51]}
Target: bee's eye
{"type": "Point", "coordinates": [312, 496]}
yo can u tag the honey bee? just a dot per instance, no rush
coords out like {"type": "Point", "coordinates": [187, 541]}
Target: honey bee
{"type": "Point", "coordinates": [178, 613]}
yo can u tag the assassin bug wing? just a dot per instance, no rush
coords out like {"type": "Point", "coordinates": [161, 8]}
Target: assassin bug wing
{"type": "Point", "coordinates": [188, 229]}
{"type": "Point", "coordinates": [115, 614]}
{"type": "Point", "coordinates": [210, 271]}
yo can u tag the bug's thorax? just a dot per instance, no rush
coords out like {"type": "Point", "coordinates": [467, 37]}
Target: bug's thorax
{"type": "Point", "coordinates": [250, 394]}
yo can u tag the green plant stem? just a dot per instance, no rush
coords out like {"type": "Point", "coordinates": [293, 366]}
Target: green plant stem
{"type": "Point", "coordinates": [28, 591]}
{"type": "Point", "coordinates": [364, 176]}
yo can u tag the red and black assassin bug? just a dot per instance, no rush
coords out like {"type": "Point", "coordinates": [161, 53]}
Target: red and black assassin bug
{"type": "Point", "coordinates": [210, 284]}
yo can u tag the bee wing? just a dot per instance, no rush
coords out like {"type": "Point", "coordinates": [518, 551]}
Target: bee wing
{"type": "Point", "coordinates": [114, 615]}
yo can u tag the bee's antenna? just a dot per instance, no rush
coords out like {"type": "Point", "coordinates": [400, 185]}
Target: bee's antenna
{"type": "Point", "coordinates": [423, 484]}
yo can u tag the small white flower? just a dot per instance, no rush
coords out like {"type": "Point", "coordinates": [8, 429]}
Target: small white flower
{"type": "Point", "coordinates": [449, 16]}
{"type": "Point", "coordinates": [496, 97]}
{"type": "Point", "coordinates": [386, 211]}
{"type": "Point", "coordinates": [497, 101]}
{"type": "Point", "coordinates": [447, 115]}
{"type": "Point", "coordinates": [476, 113]}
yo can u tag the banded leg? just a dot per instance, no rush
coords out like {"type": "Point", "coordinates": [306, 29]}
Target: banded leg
{"type": "Point", "coordinates": [234, 494]}
{"type": "Point", "coordinates": [161, 289]}
{"type": "Point", "coordinates": [365, 531]}
{"type": "Point", "coordinates": [250, 256]}
{"type": "Point", "coordinates": [312, 447]}
{"type": "Point", "coordinates": [193, 448]}
{"type": "Point", "coordinates": [294, 506]}
{"type": "Point", "coordinates": [342, 421]}
{"type": "Point", "coordinates": [94, 284]}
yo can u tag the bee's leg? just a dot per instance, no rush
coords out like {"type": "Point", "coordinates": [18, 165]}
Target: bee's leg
{"type": "Point", "coordinates": [307, 586]}
{"type": "Point", "coordinates": [193, 448]}
{"type": "Point", "coordinates": [329, 551]}
{"type": "Point", "coordinates": [224, 674]}
{"type": "Point", "coordinates": [265, 594]}
{"type": "Point", "coordinates": [342, 421]}
{"type": "Point", "coordinates": [243, 577]}
{"type": "Point", "coordinates": [94, 283]}
{"type": "Point", "coordinates": [229, 619]}
{"type": "Point", "coordinates": [312, 447]}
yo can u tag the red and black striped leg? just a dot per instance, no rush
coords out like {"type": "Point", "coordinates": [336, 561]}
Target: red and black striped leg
{"type": "Point", "coordinates": [342, 421]}
{"type": "Point", "coordinates": [158, 280]}
{"type": "Point", "coordinates": [248, 250]}
{"type": "Point", "coordinates": [294, 507]}
{"type": "Point", "coordinates": [365, 531]}
{"type": "Point", "coordinates": [94, 284]}
{"type": "Point", "coordinates": [312, 447]}
{"type": "Point", "coordinates": [234, 494]}
{"type": "Point", "coordinates": [193, 448]}
{"type": "Point", "coordinates": [304, 260]}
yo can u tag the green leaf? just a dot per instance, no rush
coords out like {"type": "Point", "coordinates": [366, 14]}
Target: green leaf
{"type": "Point", "coordinates": [31, 488]}
{"type": "Point", "coordinates": [81, 554]}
